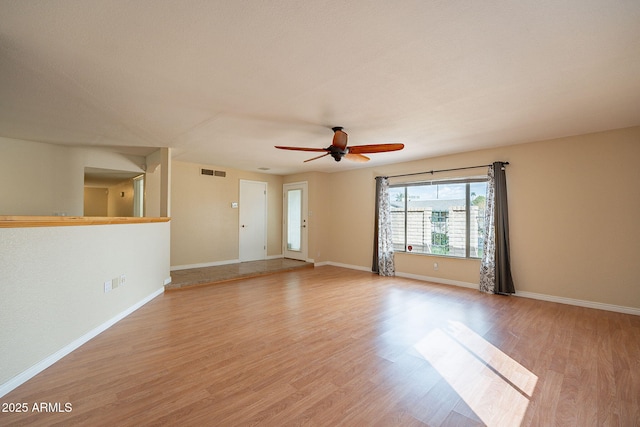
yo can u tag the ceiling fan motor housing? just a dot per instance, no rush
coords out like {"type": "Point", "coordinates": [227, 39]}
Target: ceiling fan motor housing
{"type": "Point", "coordinates": [336, 153]}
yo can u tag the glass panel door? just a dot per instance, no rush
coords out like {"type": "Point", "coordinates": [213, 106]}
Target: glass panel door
{"type": "Point", "coordinates": [295, 230]}
{"type": "Point", "coordinates": [294, 219]}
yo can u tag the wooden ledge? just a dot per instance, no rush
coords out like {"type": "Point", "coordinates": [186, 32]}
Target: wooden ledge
{"type": "Point", "coordinates": [12, 221]}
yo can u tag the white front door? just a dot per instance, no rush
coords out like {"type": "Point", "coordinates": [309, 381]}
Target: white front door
{"type": "Point", "coordinates": [295, 224]}
{"type": "Point", "coordinates": [253, 220]}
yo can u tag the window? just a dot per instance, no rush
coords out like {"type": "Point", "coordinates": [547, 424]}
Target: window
{"type": "Point", "coordinates": [439, 218]}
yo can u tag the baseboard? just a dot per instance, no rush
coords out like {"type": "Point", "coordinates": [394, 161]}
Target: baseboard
{"type": "Point", "coordinates": [580, 303]}
{"type": "Point", "coordinates": [204, 264]}
{"type": "Point", "coordinates": [310, 260]}
{"type": "Point", "coordinates": [349, 266]}
{"type": "Point", "coordinates": [523, 294]}
{"type": "Point", "coordinates": [26, 375]}
{"type": "Point", "coordinates": [405, 275]}
{"type": "Point", "coordinates": [438, 280]}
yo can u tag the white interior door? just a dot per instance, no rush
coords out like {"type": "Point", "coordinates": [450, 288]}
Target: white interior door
{"type": "Point", "coordinates": [295, 223]}
{"type": "Point", "coordinates": [253, 220]}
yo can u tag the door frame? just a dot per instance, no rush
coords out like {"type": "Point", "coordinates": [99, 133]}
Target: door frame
{"type": "Point", "coordinates": [303, 254]}
{"type": "Point", "coordinates": [242, 256]}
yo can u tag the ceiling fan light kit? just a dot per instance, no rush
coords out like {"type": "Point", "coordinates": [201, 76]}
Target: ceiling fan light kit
{"type": "Point", "coordinates": [338, 148]}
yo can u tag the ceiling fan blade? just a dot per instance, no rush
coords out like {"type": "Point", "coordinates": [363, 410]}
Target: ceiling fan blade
{"type": "Point", "coordinates": [356, 157]}
{"type": "Point", "coordinates": [375, 148]}
{"type": "Point", "coordinates": [317, 150]}
{"type": "Point", "coordinates": [339, 138]}
{"type": "Point", "coordinates": [315, 158]}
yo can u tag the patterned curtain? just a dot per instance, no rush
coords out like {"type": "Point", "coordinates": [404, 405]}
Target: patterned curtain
{"type": "Point", "coordinates": [495, 268]}
{"type": "Point", "coordinates": [383, 263]}
{"type": "Point", "coordinates": [488, 263]}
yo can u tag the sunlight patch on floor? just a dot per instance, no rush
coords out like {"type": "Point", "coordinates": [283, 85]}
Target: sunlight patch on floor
{"type": "Point", "coordinates": [493, 385]}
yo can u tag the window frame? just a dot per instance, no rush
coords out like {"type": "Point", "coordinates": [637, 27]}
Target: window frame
{"type": "Point", "coordinates": [467, 181]}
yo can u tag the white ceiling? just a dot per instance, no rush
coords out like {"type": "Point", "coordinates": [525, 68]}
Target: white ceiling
{"type": "Point", "coordinates": [222, 82]}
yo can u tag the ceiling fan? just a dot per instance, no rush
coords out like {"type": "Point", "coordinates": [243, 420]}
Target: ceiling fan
{"type": "Point", "coordinates": [338, 148]}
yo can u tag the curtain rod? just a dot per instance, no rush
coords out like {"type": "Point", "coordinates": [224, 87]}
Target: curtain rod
{"type": "Point", "coordinates": [442, 170]}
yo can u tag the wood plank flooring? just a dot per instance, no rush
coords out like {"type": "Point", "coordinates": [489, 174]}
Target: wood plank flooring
{"type": "Point", "coordinates": [337, 347]}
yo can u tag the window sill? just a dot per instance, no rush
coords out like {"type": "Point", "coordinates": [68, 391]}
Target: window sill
{"type": "Point", "coordinates": [437, 255]}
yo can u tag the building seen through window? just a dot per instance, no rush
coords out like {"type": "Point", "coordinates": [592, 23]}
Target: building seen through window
{"type": "Point", "coordinates": [439, 218]}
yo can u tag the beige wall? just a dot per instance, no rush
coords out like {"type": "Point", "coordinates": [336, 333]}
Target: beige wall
{"type": "Point", "coordinates": [121, 205]}
{"type": "Point", "coordinates": [204, 226]}
{"type": "Point", "coordinates": [52, 284]}
{"type": "Point", "coordinates": [96, 201]}
{"type": "Point", "coordinates": [351, 217]}
{"type": "Point", "coordinates": [38, 179]}
{"type": "Point", "coordinates": [152, 185]}
{"type": "Point", "coordinates": [573, 205]}
{"type": "Point", "coordinates": [47, 179]}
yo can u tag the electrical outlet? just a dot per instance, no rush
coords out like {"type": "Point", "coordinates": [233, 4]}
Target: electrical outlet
{"type": "Point", "coordinates": [123, 280]}
{"type": "Point", "coordinates": [435, 266]}
{"type": "Point", "coordinates": [115, 282]}
{"type": "Point", "coordinates": [107, 286]}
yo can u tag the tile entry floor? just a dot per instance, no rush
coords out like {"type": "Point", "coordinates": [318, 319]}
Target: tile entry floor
{"type": "Point", "coordinates": [181, 279]}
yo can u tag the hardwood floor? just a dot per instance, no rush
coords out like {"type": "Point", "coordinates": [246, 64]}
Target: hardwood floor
{"type": "Point", "coordinates": [331, 346]}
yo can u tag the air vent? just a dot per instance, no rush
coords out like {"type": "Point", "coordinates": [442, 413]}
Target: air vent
{"type": "Point", "coordinates": [211, 172]}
